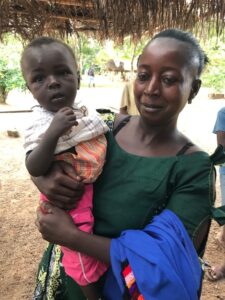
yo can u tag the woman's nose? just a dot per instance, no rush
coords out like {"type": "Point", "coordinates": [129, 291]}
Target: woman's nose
{"type": "Point", "coordinates": [53, 82]}
{"type": "Point", "coordinates": [152, 86]}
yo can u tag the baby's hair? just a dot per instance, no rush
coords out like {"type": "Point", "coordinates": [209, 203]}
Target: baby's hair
{"type": "Point", "coordinates": [188, 38]}
{"type": "Point", "coordinates": [44, 40]}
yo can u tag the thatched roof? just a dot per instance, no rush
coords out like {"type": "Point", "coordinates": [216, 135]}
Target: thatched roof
{"type": "Point", "coordinates": [112, 19]}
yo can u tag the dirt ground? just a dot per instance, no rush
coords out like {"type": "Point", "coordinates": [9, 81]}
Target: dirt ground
{"type": "Point", "coordinates": [21, 245]}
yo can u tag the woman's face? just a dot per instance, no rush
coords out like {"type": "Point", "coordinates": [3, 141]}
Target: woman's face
{"type": "Point", "coordinates": [164, 81]}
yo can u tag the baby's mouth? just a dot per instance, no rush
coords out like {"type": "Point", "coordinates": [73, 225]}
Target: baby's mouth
{"type": "Point", "coordinates": [58, 98]}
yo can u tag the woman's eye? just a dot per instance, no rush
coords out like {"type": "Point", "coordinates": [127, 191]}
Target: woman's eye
{"type": "Point", "coordinates": [143, 76]}
{"type": "Point", "coordinates": [169, 80]}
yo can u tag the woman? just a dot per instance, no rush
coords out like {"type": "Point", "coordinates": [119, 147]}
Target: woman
{"type": "Point", "coordinates": [150, 166]}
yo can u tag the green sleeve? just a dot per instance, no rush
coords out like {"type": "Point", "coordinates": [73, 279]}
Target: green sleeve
{"type": "Point", "coordinates": [193, 190]}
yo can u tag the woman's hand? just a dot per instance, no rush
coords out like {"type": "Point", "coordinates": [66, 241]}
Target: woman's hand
{"type": "Point", "coordinates": [55, 225]}
{"type": "Point", "coordinates": [61, 185]}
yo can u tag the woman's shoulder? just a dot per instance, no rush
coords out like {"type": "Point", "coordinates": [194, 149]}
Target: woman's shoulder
{"type": "Point", "coordinates": [187, 146]}
{"type": "Point", "coordinates": [190, 154]}
{"type": "Point", "coordinates": [193, 148]}
{"type": "Point", "coordinates": [119, 118]}
{"type": "Point", "coordinates": [194, 152]}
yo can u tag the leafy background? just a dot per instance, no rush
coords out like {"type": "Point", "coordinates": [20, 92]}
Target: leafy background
{"type": "Point", "coordinates": [90, 52]}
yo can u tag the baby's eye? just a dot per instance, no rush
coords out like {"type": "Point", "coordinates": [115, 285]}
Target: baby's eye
{"type": "Point", "coordinates": [64, 72]}
{"type": "Point", "coordinates": [38, 78]}
{"type": "Point", "coordinates": [143, 76]}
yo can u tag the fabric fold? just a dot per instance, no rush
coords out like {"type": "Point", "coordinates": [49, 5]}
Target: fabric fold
{"type": "Point", "coordinates": [162, 258]}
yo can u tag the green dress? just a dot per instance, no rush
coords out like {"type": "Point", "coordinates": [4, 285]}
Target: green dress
{"type": "Point", "coordinates": [128, 193]}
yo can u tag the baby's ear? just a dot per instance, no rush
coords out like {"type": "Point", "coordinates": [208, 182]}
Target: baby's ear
{"type": "Point", "coordinates": [196, 84]}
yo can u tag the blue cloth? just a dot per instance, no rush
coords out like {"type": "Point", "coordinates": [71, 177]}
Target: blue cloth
{"type": "Point", "coordinates": [162, 258]}
{"type": "Point", "coordinates": [220, 126]}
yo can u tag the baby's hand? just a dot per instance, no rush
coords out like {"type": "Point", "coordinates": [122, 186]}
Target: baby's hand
{"type": "Point", "coordinates": [64, 119]}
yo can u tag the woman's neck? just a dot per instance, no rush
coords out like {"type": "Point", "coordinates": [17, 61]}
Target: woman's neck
{"type": "Point", "coordinates": [139, 139]}
{"type": "Point", "coordinates": [153, 134]}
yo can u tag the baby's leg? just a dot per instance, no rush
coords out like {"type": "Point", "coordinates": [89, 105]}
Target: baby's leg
{"type": "Point", "coordinates": [82, 268]}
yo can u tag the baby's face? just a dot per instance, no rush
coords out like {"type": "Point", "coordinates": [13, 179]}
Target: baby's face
{"type": "Point", "coordinates": [51, 75]}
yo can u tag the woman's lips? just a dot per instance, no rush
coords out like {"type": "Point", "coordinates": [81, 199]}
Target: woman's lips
{"type": "Point", "coordinates": [151, 108]}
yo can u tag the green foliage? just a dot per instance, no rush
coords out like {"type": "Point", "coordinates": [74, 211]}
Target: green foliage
{"type": "Point", "coordinates": [102, 58]}
{"type": "Point", "coordinates": [89, 52]}
{"type": "Point", "coordinates": [214, 75]}
{"type": "Point", "coordinates": [130, 50]}
{"type": "Point", "coordinates": [10, 74]}
{"type": "Point", "coordinates": [86, 50]}
{"type": "Point", "coordinates": [10, 77]}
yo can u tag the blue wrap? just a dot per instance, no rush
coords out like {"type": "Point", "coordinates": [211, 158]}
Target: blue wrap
{"type": "Point", "coordinates": [162, 258]}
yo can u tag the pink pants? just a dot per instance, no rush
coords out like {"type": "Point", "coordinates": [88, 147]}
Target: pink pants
{"type": "Point", "coordinates": [82, 268]}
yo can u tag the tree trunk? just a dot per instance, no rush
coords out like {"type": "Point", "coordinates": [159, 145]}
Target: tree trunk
{"type": "Point", "coordinates": [3, 95]}
{"type": "Point", "coordinates": [132, 61]}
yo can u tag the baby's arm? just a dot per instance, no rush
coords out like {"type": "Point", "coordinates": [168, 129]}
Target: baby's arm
{"type": "Point", "coordinates": [39, 160]}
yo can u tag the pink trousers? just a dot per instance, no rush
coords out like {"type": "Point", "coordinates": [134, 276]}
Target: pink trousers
{"type": "Point", "coordinates": [82, 268]}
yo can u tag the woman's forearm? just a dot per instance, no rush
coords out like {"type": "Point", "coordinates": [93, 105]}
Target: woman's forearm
{"type": "Point", "coordinates": [92, 245]}
{"type": "Point", "coordinates": [57, 227]}
{"type": "Point", "coordinates": [61, 189]}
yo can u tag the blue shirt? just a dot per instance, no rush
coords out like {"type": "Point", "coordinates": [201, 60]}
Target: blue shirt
{"type": "Point", "coordinates": [220, 126]}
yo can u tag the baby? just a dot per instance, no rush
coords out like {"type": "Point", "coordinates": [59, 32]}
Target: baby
{"type": "Point", "coordinates": [61, 131]}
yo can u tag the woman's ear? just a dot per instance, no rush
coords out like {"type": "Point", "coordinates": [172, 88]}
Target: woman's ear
{"type": "Point", "coordinates": [196, 84]}
{"type": "Point", "coordinates": [27, 86]}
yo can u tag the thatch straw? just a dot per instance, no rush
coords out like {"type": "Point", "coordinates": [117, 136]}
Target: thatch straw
{"type": "Point", "coordinates": [113, 19]}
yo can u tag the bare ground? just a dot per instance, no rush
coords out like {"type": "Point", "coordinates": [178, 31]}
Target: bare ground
{"type": "Point", "coordinates": [20, 243]}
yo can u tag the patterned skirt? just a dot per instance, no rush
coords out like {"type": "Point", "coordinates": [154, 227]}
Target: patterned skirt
{"type": "Point", "coordinates": [52, 283]}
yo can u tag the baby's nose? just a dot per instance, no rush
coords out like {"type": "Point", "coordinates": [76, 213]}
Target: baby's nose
{"type": "Point", "coordinates": [53, 82]}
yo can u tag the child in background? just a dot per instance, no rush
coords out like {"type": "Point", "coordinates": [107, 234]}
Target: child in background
{"type": "Point", "coordinates": [61, 131]}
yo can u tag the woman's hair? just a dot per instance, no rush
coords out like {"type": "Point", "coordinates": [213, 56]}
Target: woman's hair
{"type": "Point", "coordinates": [183, 36]}
{"type": "Point", "coordinates": [44, 40]}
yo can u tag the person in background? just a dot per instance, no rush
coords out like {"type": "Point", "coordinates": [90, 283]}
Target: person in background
{"type": "Point", "coordinates": [59, 130]}
{"type": "Point", "coordinates": [219, 130]}
{"type": "Point", "coordinates": [153, 201]}
{"type": "Point", "coordinates": [91, 76]}
{"type": "Point", "coordinates": [217, 272]}
{"type": "Point", "coordinates": [127, 104]}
